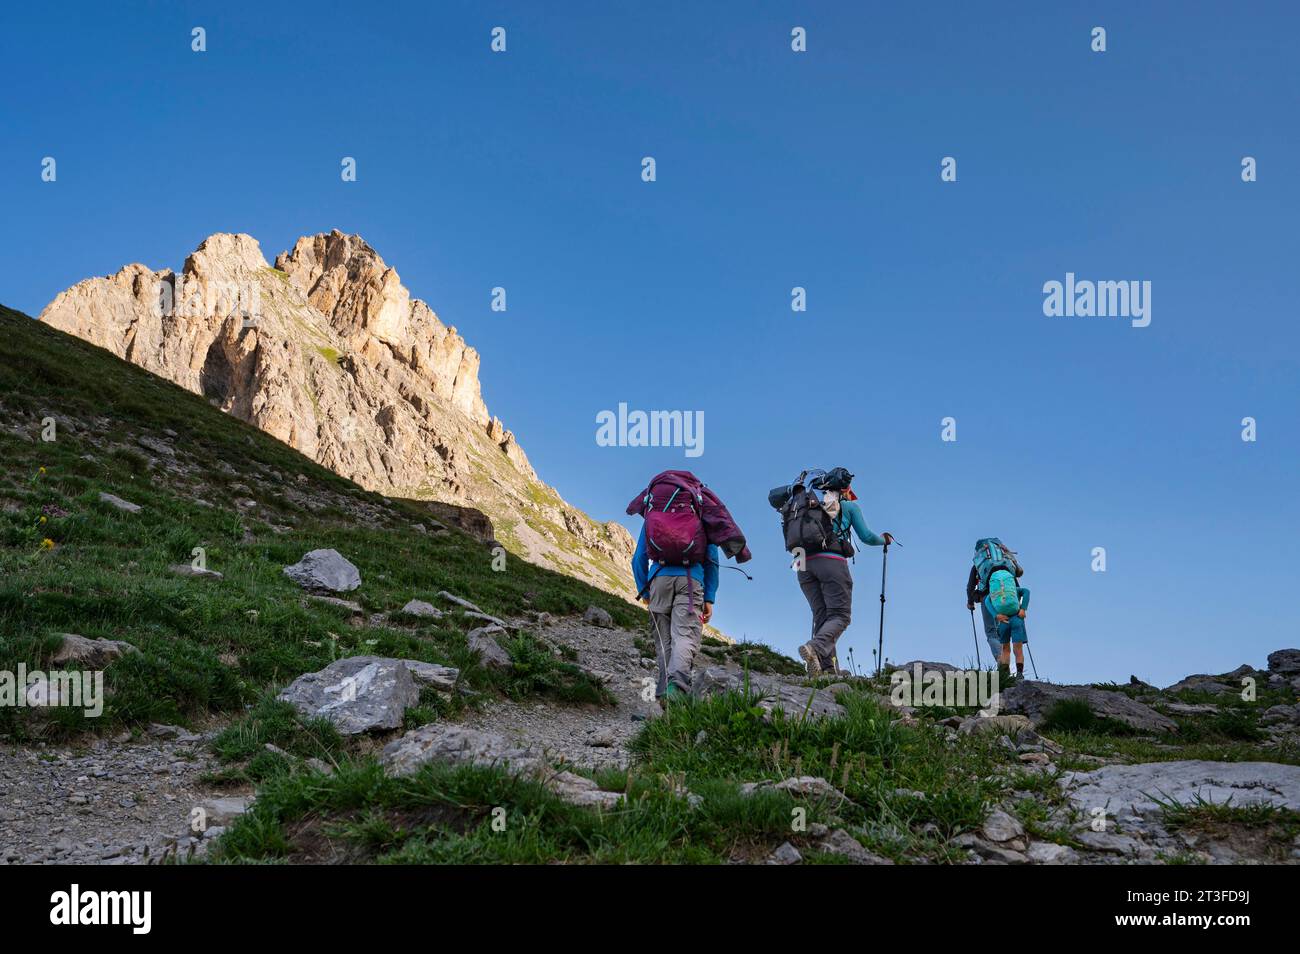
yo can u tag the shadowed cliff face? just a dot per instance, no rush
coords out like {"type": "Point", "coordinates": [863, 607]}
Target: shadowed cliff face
{"type": "Point", "coordinates": [329, 353]}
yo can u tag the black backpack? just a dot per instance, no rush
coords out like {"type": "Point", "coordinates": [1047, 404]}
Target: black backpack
{"type": "Point", "coordinates": [808, 527]}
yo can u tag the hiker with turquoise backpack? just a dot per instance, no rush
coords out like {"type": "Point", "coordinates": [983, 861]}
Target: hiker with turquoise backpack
{"type": "Point", "coordinates": [995, 570]}
{"type": "Point", "coordinates": [819, 516]}
{"type": "Point", "coordinates": [675, 565]}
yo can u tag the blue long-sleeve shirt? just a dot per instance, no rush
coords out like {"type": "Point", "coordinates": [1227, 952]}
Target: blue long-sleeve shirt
{"type": "Point", "coordinates": [851, 517]}
{"type": "Point", "coordinates": [706, 573]}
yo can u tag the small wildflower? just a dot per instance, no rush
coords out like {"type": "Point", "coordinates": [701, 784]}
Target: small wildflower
{"type": "Point", "coordinates": [47, 544]}
{"type": "Point", "coordinates": [44, 519]}
{"type": "Point", "coordinates": [41, 471]}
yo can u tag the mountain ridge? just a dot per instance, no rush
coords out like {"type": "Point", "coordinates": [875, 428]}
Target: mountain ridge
{"type": "Point", "coordinates": [328, 352]}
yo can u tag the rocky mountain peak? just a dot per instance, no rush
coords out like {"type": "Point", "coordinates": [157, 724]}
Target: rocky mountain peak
{"type": "Point", "coordinates": [224, 255]}
{"type": "Point", "coordinates": [329, 352]}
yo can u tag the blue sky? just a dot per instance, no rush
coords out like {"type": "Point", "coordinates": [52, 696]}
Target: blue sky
{"type": "Point", "coordinates": [775, 169]}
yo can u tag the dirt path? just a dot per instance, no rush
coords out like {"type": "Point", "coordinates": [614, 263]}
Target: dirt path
{"type": "Point", "coordinates": [128, 801]}
{"type": "Point", "coordinates": [102, 801]}
{"type": "Point", "coordinates": [587, 736]}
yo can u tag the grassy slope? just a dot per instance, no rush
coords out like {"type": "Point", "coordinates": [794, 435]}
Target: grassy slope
{"type": "Point", "coordinates": [215, 648]}
{"type": "Point", "coordinates": [208, 647]}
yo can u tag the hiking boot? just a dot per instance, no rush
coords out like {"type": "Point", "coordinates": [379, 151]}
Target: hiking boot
{"type": "Point", "coordinates": [809, 657]}
{"type": "Point", "coordinates": [674, 693]}
{"type": "Point", "coordinates": [830, 668]}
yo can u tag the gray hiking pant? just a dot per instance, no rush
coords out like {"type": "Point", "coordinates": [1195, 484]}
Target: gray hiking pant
{"type": "Point", "coordinates": [991, 632]}
{"type": "Point", "coordinates": [675, 628]}
{"type": "Point", "coordinates": [827, 584]}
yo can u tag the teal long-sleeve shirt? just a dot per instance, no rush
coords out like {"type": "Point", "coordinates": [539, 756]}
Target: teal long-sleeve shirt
{"type": "Point", "coordinates": [851, 517]}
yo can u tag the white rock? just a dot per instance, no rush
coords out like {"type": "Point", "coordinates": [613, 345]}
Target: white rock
{"type": "Point", "coordinates": [483, 642]}
{"type": "Point", "coordinates": [324, 570]}
{"type": "Point", "coordinates": [224, 811]}
{"type": "Point", "coordinates": [1049, 853]}
{"type": "Point", "coordinates": [357, 694]}
{"type": "Point", "coordinates": [187, 569]}
{"type": "Point", "coordinates": [1130, 790]}
{"type": "Point", "coordinates": [92, 653]}
{"type": "Point", "coordinates": [598, 617]}
{"type": "Point", "coordinates": [840, 842]}
{"type": "Point", "coordinates": [423, 609]}
{"type": "Point", "coordinates": [1001, 827]}
{"type": "Point", "coordinates": [119, 503]}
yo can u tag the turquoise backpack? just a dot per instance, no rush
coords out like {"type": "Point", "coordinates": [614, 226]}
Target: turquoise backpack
{"type": "Point", "coordinates": [1004, 596]}
{"type": "Point", "coordinates": [992, 554]}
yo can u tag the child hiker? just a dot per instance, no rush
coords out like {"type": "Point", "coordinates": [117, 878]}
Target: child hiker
{"type": "Point", "coordinates": [993, 557]}
{"type": "Point", "coordinates": [1010, 619]}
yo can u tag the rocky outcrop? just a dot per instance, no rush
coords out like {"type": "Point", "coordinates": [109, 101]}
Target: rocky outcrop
{"type": "Point", "coordinates": [773, 693]}
{"type": "Point", "coordinates": [365, 693]}
{"type": "Point", "coordinates": [329, 353]}
{"type": "Point", "coordinates": [90, 653]}
{"type": "Point", "coordinates": [1285, 662]}
{"type": "Point", "coordinates": [1222, 684]}
{"type": "Point", "coordinates": [1035, 699]}
{"type": "Point", "coordinates": [324, 571]}
{"type": "Point", "coordinates": [118, 503]}
{"type": "Point", "coordinates": [1132, 792]}
{"type": "Point", "coordinates": [483, 641]}
{"type": "Point", "coordinates": [458, 745]}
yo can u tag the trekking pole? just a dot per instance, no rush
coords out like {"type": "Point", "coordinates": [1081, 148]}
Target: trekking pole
{"type": "Point", "coordinates": [1031, 659]}
{"type": "Point", "coordinates": [880, 642]}
{"type": "Point", "coordinates": [975, 634]}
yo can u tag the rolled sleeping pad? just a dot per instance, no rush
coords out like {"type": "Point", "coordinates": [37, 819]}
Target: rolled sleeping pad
{"type": "Point", "coordinates": [778, 496]}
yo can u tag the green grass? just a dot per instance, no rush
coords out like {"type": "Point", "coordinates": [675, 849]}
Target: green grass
{"type": "Point", "coordinates": [220, 651]}
{"type": "Point", "coordinates": [1262, 830]}
{"type": "Point", "coordinates": [867, 754]}
{"type": "Point", "coordinates": [1074, 715]}
{"type": "Point", "coordinates": [331, 355]}
{"type": "Point", "coordinates": [469, 815]}
{"type": "Point", "coordinates": [705, 747]}
{"type": "Point", "coordinates": [535, 669]}
{"type": "Point", "coordinates": [211, 648]}
{"type": "Point", "coordinates": [755, 657]}
{"type": "Point", "coordinates": [1228, 725]}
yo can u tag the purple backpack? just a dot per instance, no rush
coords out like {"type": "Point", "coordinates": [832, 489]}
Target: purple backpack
{"type": "Point", "coordinates": [683, 517]}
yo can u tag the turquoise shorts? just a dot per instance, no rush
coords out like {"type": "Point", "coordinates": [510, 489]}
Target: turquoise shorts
{"type": "Point", "coordinates": [1012, 631]}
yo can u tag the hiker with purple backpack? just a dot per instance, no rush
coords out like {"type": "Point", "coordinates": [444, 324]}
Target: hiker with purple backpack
{"type": "Point", "coordinates": [686, 531]}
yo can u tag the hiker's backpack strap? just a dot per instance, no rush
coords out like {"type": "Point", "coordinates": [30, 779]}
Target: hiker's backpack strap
{"type": "Point", "coordinates": [646, 589]}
